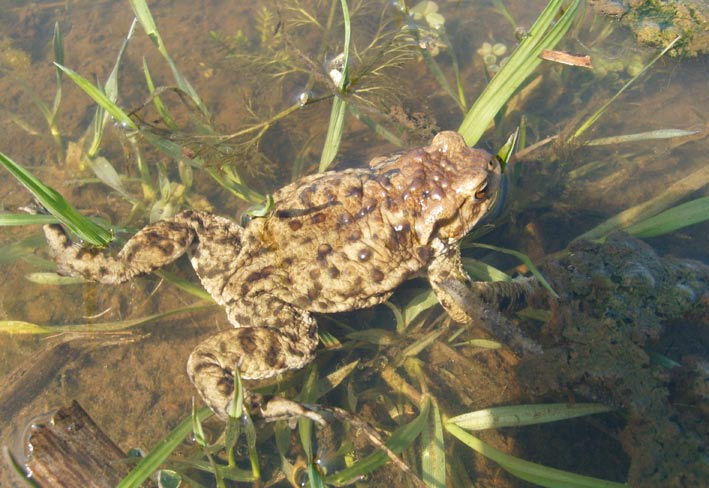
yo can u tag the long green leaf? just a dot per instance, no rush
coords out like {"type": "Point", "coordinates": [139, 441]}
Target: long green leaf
{"type": "Point", "coordinates": [528, 471]}
{"type": "Point", "coordinates": [634, 215]}
{"type": "Point", "coordinates": [518, 68]}
{"type": "Point", "coordinates": [25, 249]}
{"type": "Point", "coordinates": [142, 12]}
{"type": "Point", "coordinates": [433, 454]}
{"type": "Point", "coordinates": [334, 132]}
{"type": "Point", "coordinates": [58, 44]}
{"type": "Point", "coordinates": [26, 219]}
{"type": "Point", "coordinates": [339, 104]}
{"type": "Point", "coordinates": [50, 278]}
{"type": "Point", "coordinates": [157, 101]}
{"type": "Point", "coordinates": [83, 227]}
{"type": "Point", "coordinates": [419, 303]}
{"type": "Point", "coordinates": [159, 454]}
{"type": "Point", "coordinates": [481, 271]}
{"type": "Point", "coordinates": [110, 89]}
{"type": "Point", "coordinates": [100, 97]}
{"type": "Point", "coordinates": [402, 438]}
{"type": "Point", "coordinates": [525, 259]}
{"type": "Point", "coordinates": [19, 327]}
{"type": "Point", "coordinates": [642, 136]}
{"type": "Point", "coordinates": [518, 415]}
{"type": "Point", "coordinates": [678, 217]}
{"type": "Point", "coordinates": [376, 127]}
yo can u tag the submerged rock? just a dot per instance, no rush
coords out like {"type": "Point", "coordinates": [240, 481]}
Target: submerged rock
{"type": "Point", "coordinates": [657, 23]}
{"type": "Point", "coordinates": [621, 308]}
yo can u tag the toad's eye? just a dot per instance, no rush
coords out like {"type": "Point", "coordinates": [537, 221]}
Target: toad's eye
{"type": "Point", "coordinates": [481, 193]}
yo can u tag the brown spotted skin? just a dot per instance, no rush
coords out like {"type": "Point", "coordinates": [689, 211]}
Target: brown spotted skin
{"type": "Point", "coordinates": [333, 242]}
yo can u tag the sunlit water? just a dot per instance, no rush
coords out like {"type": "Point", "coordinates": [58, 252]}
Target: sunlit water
{"type": "Point", "coordinates": [134, 384]}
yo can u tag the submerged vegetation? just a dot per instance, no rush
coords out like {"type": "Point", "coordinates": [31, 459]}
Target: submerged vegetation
{"type": "Point", "coordinates": [363, 53]}
{"type": "Point", "coordinates": [657, 23]}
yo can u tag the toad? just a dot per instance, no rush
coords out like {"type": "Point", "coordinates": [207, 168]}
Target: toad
{"type": "Point", "coordinates": [332, 242]}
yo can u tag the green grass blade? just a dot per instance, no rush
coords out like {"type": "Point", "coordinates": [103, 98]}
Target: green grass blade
{"type": "Point", "coordinates": [518, 415]}
{"type": "Point", "coordinates": [314, 476]}
{"type": "Point", "coordinates": [401, 439]}
{"type": "Point", "coordinates": [111, 86]}
{"type": "Point", "coordinates": [481, 271]}
{"type": "Point", "coordinates": [58, 44]}
{"type": "Point", "coordinates": [197, 430]}
{"type": "Point", "coordinates": [598, 113]}
{"type": "Point", "coordinates": [110, 89]}
{"type": "Point", "coordinates": [525, 259]}
{"type": "Point", "coordinates": [440, 77]}
{"type": "Point", "coordinates": [142, 12]}
{"type": "Point", "coordinates": [20, 122]}
{"type": "Point", "coordinates": [53, 279]}
{"type": "Point", "coordinates": [433, 454]}
{"type": "Point", "coordinates": [187, 87]}
{"type": "Point", "coordinates": [528, 471]}
{"type": "Point", "coordinates": [232, 431]}
{"type": "Point", "coordinates": [9, 326]}
{"type": "Point", "coordinates": [26, 219]}
{"type": "Point", "coordinates": [334, 379]}
{"type": "Point", "coordinates": [157, 101]}
{"type": "Point", "coordinates": [157, 456]}
{"type": "Point", "coordinates": [25, 249]}
{"type": "Point", "coordinates": [418, 304]}
{"type": "Point", "coordinates": [308, 394]}
{"type": "Point", "coordinates": [339, 104]}
{"type": "Point", "coordinates": [100, 98]}
{"type": "Point", "coordinates": [19, 327]}
{"type": "Point", "coordinates": [334, 132]}
{"type": "Point", "coordinates": [86, 229]}
{"type": "Point", "coordinates": [187, 286]}
{"type": "Point", "coordinates": [481, 343]}
{"type": "Point", "coordinates": [505, 152]}
{"type": "Point", "coordinates": [376, 127]}
{"type": "Point", "coordinates": [678, 217]}
{"type": "Point", "coordinates": [636, 214]}
{"type": "Point", "coordinates": [108, 175]}
{"type": "Point", "coordinates": [642, 136]}
{"type": "Point", "coordinates": [544, 34]}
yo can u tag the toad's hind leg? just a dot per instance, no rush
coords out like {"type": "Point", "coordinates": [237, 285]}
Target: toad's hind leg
{"type": "Point", "coordinates": [262, 349]}
{"type": "Point", "coordinates": [150, 248]}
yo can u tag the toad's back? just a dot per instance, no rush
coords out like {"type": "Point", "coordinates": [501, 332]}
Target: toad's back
{"type": "Point", "coordinates": [344, 240]}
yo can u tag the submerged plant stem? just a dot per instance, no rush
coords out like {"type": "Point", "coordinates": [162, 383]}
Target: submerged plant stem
{"type": "Point", "coordinates": [263, 126]}
{"type": "Point", "coordinates": [598, 113]}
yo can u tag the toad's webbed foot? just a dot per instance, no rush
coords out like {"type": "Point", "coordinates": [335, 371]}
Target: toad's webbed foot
{"type": "Point", "coordinates": [481, 302]}
{"type": "Point", "coordinates": [487, 314]}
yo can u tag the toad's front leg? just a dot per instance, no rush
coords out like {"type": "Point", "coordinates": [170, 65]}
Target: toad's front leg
{"type": "Point", "coordinates": [284, 341]}
{"type": "Point", "coordinates": [480, 302]}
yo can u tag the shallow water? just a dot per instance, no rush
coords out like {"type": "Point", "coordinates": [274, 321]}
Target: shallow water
{"type": "Point", "coordinates": [133, 384]}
